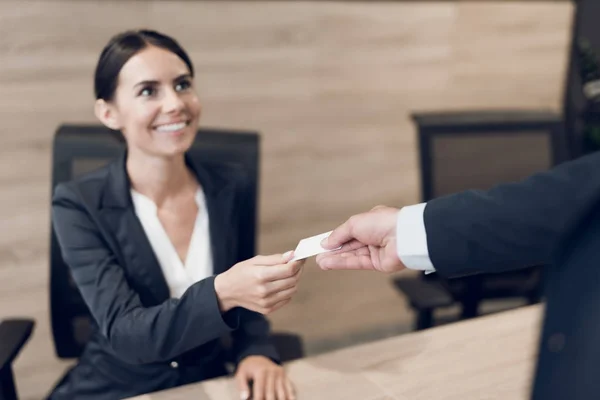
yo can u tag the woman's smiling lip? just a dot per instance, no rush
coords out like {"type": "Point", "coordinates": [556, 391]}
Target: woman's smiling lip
{"type": "Point", "coordinates": [173, 128]}
{"type": "Point", "coordinates": [167, 124]}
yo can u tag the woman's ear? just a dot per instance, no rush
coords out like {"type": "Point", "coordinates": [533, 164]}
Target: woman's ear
{"type": "Point", "coordinates": [107, 114]}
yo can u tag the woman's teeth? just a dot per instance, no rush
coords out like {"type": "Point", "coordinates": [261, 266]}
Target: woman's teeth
{"type": "Point", "coordinates": [171, 127]}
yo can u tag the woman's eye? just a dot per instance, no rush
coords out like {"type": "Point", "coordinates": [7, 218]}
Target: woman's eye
{"type": "Point", "coordinates": [147, 92]}
{"type": "Point", "coordinates": [183, 85]}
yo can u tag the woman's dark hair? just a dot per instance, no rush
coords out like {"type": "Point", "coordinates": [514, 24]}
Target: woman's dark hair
{"type": "Point", "coordinates": [121, 48]}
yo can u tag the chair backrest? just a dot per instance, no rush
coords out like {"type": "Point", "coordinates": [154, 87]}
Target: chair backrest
{"type": "Point", "coordinates": [79, 149]}
{"type": "Point", "coordinates": [478, 150]}
{"type": "Point", "coordinates": [460, 151]}
{"type": "Point", "coordinates": [585, 27]}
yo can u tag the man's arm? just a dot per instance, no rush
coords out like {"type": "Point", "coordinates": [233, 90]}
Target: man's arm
{"type": "Point", "coordinates": [512, 225]}
{"type": "Point", "coordinates": [508, 227]}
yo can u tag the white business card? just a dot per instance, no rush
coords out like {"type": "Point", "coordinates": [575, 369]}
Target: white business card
{"type": "Point", "coordinates": [311, 247]}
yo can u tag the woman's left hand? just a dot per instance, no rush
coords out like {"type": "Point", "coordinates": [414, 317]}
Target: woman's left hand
{"type": "Point", "coordinates": [269, 380]}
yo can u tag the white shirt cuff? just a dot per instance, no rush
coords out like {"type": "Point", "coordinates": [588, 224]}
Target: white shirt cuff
{"type": "Point", "coordinates": [411, 238]}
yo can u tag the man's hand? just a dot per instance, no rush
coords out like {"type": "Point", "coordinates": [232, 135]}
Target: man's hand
{"type": "Point", "coordinates": [368, 242]}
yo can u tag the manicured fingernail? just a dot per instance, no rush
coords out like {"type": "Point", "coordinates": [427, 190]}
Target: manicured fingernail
{"type": "Point", "coordinates": [244, 395]}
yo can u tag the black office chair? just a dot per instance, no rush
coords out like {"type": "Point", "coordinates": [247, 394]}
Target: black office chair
{"type": "Point", "coordinates": [14, 333]}
{"type": "Point", "coordinates": [580, 114]}
{"type": "Point", "coordinates": [477, 150]}
{"type": "Point", "coordinates": [80, 149]}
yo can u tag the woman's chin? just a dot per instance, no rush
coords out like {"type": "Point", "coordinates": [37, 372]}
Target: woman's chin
{"type": "Point", "coordinates": [176, 149]}
{"type": "Point", "coordinates": [177, 141]}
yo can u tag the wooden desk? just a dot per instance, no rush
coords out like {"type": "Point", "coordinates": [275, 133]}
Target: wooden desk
{"type": "Point", "coordinates": [487, 358]}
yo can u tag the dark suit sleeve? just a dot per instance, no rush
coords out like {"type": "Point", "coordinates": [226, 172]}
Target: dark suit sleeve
{"type": "Point", "coordinates": [138, 334]}
{"type": "Point", "coordinates": [512, 225]}
{"type": "Point", "coordinates": [252, 336]}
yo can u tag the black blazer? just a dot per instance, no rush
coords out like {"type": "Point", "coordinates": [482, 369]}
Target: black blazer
{"type": "Point", "coordinates": [144, 340]}
{"type": "Point", "coordinates": [551, 218]}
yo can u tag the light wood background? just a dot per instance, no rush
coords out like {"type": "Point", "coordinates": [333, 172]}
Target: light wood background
{"type": "Point", "coordinates": [329, 84]}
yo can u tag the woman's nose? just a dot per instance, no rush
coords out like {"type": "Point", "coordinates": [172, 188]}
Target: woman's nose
{"type": "Point", "coordinates": [172, 102]}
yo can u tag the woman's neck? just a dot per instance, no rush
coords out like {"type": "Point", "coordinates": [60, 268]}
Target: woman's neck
{"type": "Point", "coordinates": [159, 178]}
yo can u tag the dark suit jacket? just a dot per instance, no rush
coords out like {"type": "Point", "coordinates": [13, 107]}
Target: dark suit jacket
{"type": "Point", "coordinates": [144, 340]}
{"type": "Point", "coordinates": [551, 218]}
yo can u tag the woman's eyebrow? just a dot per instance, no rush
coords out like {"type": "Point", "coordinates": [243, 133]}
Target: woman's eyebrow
{"type": "Point", "coordinates": [150, 82]}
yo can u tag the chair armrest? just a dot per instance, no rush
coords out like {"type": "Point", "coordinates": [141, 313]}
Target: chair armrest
{"type": "Point", "coordinates": [14, 333]}
{"type": "Point", "coordinates": [482, 119]}
{"type": "Point", "coordinates": [422, 294]}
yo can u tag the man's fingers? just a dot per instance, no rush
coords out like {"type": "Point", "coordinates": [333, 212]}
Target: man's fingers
{"type": "Point", "coordinates": [348, 246]}
{"type": "Point", "coordinates": [340, 235]}
{"type": "Point", "coordinates": [352, 247]}
{"type": "Point", "coordinates": [362, 251]}
{"type": "Point", "coordinates": [356, 260]}
{"type": "Point", "coordinates": [379, 207]}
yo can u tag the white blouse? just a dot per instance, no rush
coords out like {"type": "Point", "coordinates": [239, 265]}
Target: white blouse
{"type": "Point", "coordinates": [198, 262]}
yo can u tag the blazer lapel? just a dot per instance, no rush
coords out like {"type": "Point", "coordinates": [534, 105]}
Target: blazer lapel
{"type": "Point", "coordinates": [220, 197]}
{"type": "Point", "coordinates": [223, 242]}
{"type": "Point", "coordinates": [139, 259]}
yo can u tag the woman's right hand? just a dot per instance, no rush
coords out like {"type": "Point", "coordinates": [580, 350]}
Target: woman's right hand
{"type": "Point", "coordinates": [262, 284]}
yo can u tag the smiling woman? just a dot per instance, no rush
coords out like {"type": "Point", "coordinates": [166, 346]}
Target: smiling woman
{"type": "Point", "coordinates": [136, 237]}
{"type": "Point", "coordinates": [144, 87]}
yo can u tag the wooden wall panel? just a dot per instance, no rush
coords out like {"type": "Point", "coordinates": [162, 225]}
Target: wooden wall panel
{"type": "Point", "coordinates": [329, 84]}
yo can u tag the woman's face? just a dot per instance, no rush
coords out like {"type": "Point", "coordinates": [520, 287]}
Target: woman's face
{"type": "Point", "coordinates": [155, 104]}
